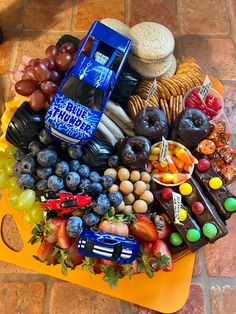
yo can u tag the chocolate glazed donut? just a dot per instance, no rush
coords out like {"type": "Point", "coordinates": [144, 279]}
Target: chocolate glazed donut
{"type": "Point", "coordinates": [134, 151]}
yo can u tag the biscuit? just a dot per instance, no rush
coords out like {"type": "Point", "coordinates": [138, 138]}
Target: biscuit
{"type": "Point", "coordinates": [172, 69]}
{"type": "Point", "coordinates": [151, 41]}
{"type": "Point", "coordinates": [116, 25]}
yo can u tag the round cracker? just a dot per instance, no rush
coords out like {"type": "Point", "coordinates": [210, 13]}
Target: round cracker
{"type": "Point", "coordinates": [169, 86]}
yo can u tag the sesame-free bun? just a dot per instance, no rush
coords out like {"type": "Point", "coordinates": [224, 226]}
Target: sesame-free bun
{"type": "Point", "coordinates": [151, 41]}
{"type": "Point", "coordinates": [117, 25]}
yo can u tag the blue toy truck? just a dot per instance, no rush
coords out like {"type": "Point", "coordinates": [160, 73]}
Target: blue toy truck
{"type": "Point", "coordinates": [78, 105]}
{"type": "Point", "coordinates": [97, 244]}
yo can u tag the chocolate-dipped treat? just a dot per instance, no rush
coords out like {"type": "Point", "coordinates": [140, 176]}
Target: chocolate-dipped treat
{"type": "Point", "coordinates": [134, 151]}
{"type": "Point", "coordinates": [190, 127]}
{"type": "Point", "coordinates": [151, 123]}
{"type": "Point", "coordinates": [216, 190]}
{"type": "Point", "coordinates": [204, 212]}
{"type": "Point", "coordinates": [188, 229]}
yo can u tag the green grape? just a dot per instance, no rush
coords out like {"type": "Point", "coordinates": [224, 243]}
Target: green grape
{"type": "Point", "coordinates": [27, 217]}
{"type": "Point", "coordinates": [36, 213]}
{"type": "Point", "coordinates": [3, 157]}
{"type": "Point", "coordinates": [26, 199]}
{"type": "Point", "coordinates": [9, 164]}
{"type": "Point", "coordinates": [13, 197]}
{"type": "Point", "coordinates": [12, 183]}
{"type": "Point", "coordinates": [3, 178]}
{"type": "Point", "coordinates": [10, 151]}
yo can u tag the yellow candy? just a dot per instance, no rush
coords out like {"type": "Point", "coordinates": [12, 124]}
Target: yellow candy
{"type": "Point", "coordinates": [170, 153]}
{"type": "Point", "coordinates": [215, 183]}
{"type": "Point", "coordinates": [168, 177]}
{"type": "Point", "coordinates": [153, 157]}
{"type": "Point", "coordinates": [155, 171]}
{"type": "Point", "coordinates": [185, 189]}
{"type": "Point", "coordinates": [182, 214]}
{"type": "Point", "coordinates": [162, 164]}
{"type": "Point", "coordinates": [155, 150]}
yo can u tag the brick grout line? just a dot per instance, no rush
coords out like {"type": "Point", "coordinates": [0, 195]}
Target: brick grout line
{"type": "Point", "coordinates": [48, 291]}
{"type": "Point", "coordinates": [232, 20]}
{"type": "Point", "coordinates": [73, 16]}
{"type": "Point", "coordinates": [178, 18]}
{"type": "Point", "coordinates": [127, 12]}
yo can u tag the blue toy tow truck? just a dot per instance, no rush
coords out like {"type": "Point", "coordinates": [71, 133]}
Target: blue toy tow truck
{"type": "Point", "coordinates": [78, 105]}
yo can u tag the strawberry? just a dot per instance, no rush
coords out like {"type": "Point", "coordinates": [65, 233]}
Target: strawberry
{"type": "Point", "coordinates": [114, 227]}
{"type": "Point", "coordinates": [52, 228]}
{"type": "Point", "coordinates": [63, 240]}
{"type": "Point", "coordinates": [143, 229]}
{"type": "Point", "coordinates": [73, 254]}
{"type": "Point", "coordinates": [162, 226]}
{"type": "Point", "coordinates": [147, 248]}
{"type": "Point", "coordinates": [45, 252]}
{"type": "Point", "coordinates": [162, 256]}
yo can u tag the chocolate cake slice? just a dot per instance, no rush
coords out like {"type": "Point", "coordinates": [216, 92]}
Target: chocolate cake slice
{"type": "Point", "coordinates": [186, 227]}
{"type": "Point", "coordinates": [216, 190]}
{"type": "Point", "coordinates": [212, 225]}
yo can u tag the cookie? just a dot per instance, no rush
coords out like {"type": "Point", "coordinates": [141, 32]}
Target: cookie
{"type": "Point", "coordinates": [117, 26]}
{"type": "Point", "coordinates": [151, 41]}
{"type": "Point", "coordinates": [172, 69]}
{"type": "Point", "coordinates": [149, 70]}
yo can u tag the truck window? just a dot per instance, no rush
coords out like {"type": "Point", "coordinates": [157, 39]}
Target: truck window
{"type": "Point", "coordinates": [83, 93]}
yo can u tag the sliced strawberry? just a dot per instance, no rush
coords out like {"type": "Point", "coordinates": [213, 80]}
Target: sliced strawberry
{"type": "Point", "coordinates": [114, 227]}
{"type": "Point", "coordinates": [53, 227]}
{"type": "Point", "coordinates": [45, 252]}
{"type": "Point", "coordinates": [96, 268]}
{"type": "Point", "coordinates": [143, 229]}
{"type": "Point", "coordinates": [74, 255]}
{"type": "Point", "coordinates": [162, 226]}
{"type": "Point", "coordinates": [63, 239]}
{"type": "Point", "coordinates": [163, 256]}
{"type": "Point", "coordinates": [147, 248]}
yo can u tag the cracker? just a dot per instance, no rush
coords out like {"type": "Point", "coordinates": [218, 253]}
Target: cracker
{"type": "Point", "coordinates": [171, 108]}
{"type": "Point", "coordinates": [167, 111]}
{"type": "Point", "coordinates": [176, 85]}
{"type": "Point", "coordinates": [169, 86]}
{"type": "Point", "coordinates": [163, 90]}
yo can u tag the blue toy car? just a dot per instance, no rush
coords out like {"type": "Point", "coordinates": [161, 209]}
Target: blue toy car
{"type": "Point", "coordinates": [78, 105]}
{"type": "Point", "coordinates": [97, 244]}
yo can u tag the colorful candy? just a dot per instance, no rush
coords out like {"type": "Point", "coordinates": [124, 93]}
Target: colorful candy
{"type": "Point", "coordinates": [185, 189]}
{"type": "Point", "coordinates": [209, 230]}
{"type": "Point", "coordinates": [176, 239]}
{"type": "Point", "coordinates": [230, 204]}
{"type": "Point", "coordinates": [215, 183]}
{"type": "Point", "coordinates": [193, 235]}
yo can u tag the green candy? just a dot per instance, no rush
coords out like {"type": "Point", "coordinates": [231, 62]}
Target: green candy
{"type": "Point", "coordinates": [176, 239]}
{"type": "Point", "coordinates": [209, 230]}
{"type": "Point", "coordinates": [230, 204]}
{"type": "Point", "coordinates": [193, 235]}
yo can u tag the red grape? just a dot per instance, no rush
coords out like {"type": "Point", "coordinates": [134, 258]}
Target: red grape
{"type": "Point", "coordinates": [63, 61]}
{"type": "Point", "coordinates": [40, 71]}
{"type": "Point", "coordinates": [49, 87]}
{"type": "Point", "coordinates": [51, 52]}
{"type": "Point", "coordinates": [26, 87]}
{"type": "Point", "coordinates": [37, 100]}
{"type": "Point", "coordinates": [50, 64]}
{"type": "Point", "coordinates": [68, 47]}
{"type": "Point", "coordinates": [32, 61]}
{"type": "Point", "coordinates": [29, 70]}
{"type": "Point", "coordinates": [55, 77]}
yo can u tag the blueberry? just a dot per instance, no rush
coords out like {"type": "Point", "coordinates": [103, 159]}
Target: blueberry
{"type": "Point", "coordinates": [95, 189]}
{"type": "Point", "coordinates": [94, 177]}
{"type": "Point", "coordinates": [115, 198]}
{"type": "Point", "coordinates": [72, 180]}
{"type": "Point", "coordinates": [91, 219]}
{"type": "Point", "coordinates": [35, 147]}
{"type": "Point", "coordinates": [55, 183]}
{"type": "Point", "coordinates": [102, 204]}
{"type": "Point", "coordinates": [113, 161]}
{"type": "Point", "coordinates": [62, 168]}
{"type": "Point", "coordinates": [19, 154]}
{"type": "Point", "coordinates": [64, 146]}
{"type": "Point", "coordinates": [25, 181]}
{"type": "Point", "coordinates": [17, 169]}
{"type": "Point", "coordinates": [74, 165]}
{"type": "Point", "coordinates": [45, 138]}
{"type": "Point", "coordinates": [107, 181]}
{"type": "Point", "coordinates": [28, 164]}
{"type": "Point", "coordinates": [74, 152]}
{"type": "Point", "coordinates": [84, 183]}
{"type": "Point", "coordinates": [41, 185]}
{"type": "Point", "coordinates": [64, 191]}
{"type": "Point", "coordinates": [84, 171]}
{"type": "Point", "coordinates": [44, 172]}
{"type": "Point", "coordinates": [74, 226]}
{"type": "Point", "coordinates": [47, 158]}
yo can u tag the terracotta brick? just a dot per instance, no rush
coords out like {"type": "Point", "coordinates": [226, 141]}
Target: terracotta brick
{"type": "Point", "coordinates": [221, 256]}
{"type": "Point", "coordinates": [233, 7]}
{"type": "Point", "coordinates": [160, 11]}
{"type": "Point", "coordinates": [90, 10]}
{"type": "Point", "coordinates": [5, 55]}
{"type": "Point", "coordinates": [22, 297]}
{"type": "Point", "coordinates": [35, 46]}
{"type": "Point", "coordinates": [6, 268]}
{"type": "Point", "coordinates": [136, 309]}
{"type": "Point", "coordinates": [81, 300]}
{"type": "Point", "coordinates": [3, 86]}
{"type": "Point", "coordinates": [45, 15]}
{"type": "Point", "coordinates": [223, 300]}
{"type": "Point", "coordinates": [10, 234]}
{"type": "Point", "coordinates": [207, 17]}
{"type": "Point", "coordinates": [197, 265]}
{"type": "Point", "coordinates": [195, 303]}
{"type": "Point", "coordinates": [229, 105]}
{"type": "Point", "coordinates": [210, 54]}
{"type": "Point", "coordinates": [10, 15]}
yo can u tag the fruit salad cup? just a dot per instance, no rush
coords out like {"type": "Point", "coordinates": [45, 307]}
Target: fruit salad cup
{"type": "Point", "coordinates": [177, 168]}
{"type": "Point", "coordinates": [212, 106]}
